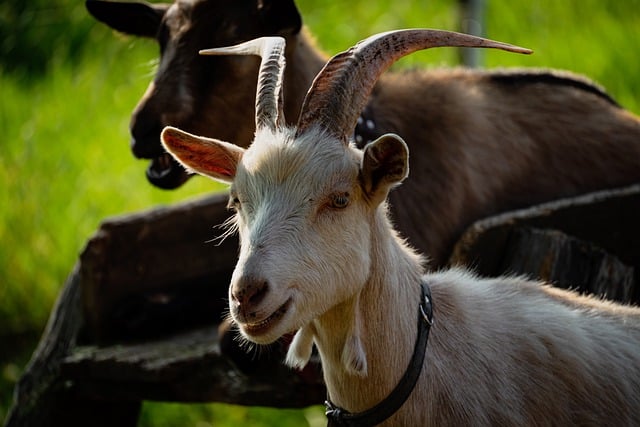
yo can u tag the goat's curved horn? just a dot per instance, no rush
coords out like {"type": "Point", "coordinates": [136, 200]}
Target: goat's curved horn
{"type": "Point", "coordinates": [269, 110]}
{"type": "Point", "coordinates": [341, 89]}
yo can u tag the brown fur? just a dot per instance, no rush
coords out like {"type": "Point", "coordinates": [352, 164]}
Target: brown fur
{"type": "Point", "coordinates": [484, 147]}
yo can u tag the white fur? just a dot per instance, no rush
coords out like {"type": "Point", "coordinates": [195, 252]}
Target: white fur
{"type": "Point", "coordinates": [301, 348]}
{"type": "Point", "coordinates": [503, 351]}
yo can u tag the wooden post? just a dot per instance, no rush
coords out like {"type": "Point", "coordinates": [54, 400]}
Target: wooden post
{"type": "Point", "coordinates": [472, 22]}
{"type": "Point", "coordinates": [41, 398]}
{"type": "Point", "coordinates": [138, 271]}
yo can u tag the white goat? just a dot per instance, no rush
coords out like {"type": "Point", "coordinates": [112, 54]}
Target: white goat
{"type": "Point", "coordinates": [319, 256]}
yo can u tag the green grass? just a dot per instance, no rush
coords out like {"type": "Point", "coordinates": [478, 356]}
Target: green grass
{"type": "Point", "coordinates": [65, 164]}
{"type": "Point", "coordinates": [206, 415]}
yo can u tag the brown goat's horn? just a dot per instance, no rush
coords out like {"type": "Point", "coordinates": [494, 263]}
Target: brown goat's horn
{"type": "Point", "coordinates": [269, 110]}
{"type": "Point", "coordinates": [341, 89]}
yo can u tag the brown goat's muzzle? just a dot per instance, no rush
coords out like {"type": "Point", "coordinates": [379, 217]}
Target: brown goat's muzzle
{"type": "Point", "coordinates": [164, 172]}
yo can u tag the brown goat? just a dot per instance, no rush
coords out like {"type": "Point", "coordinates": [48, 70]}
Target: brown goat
{"type": "Point", "coordinates": [483, 142]}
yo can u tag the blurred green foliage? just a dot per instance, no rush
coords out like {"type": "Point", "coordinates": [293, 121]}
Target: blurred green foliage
{"type": "Point", "coordinates": [34, 32]}
{"type": "Point", "coordinates": [68, 85]}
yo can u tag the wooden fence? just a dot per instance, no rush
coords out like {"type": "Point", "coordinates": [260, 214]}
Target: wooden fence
{"type": "Point", "coordinates": [138, 317]}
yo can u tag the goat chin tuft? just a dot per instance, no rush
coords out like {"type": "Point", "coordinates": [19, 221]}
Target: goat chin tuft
{"type": "Point", "coordinates": [300, 349]}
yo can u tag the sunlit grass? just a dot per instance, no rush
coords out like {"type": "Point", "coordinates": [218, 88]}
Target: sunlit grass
{"type": "Point", "coordinates": [65, 163]}
{"type": "Point", "coordinates": [210, 415]}
{"type": "Point", "coordinates": [66, 167]}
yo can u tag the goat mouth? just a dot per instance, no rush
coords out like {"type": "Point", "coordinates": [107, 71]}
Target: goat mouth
{"type": "Point", "coordinates": [263, 326]}
{"type": "Point", "coordinates": [164, 172]}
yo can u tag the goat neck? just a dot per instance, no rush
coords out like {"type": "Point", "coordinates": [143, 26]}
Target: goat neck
{"type": "Point", "coordinates": [356, 372]}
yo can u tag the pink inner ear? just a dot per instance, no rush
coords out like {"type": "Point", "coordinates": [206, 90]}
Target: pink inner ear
{"type": "Point", "coordinates": [219, 166]}
{"type": "Point", "coordinates": [201, 155]}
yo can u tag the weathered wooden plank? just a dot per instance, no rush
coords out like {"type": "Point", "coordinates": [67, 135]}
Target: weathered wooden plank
{"type": "Point", "coordinates": [39, 397]}
{"type": "Point", "coordinates": [78, 385]}
{"type": "Point", "coordinates": [567, 262]}
{"type": "Point", "coordinates": [138, 271]}
{"type": "Point", "coordinates": [607, 219]}
{"type": "Point", "coordinates": [186, 367]}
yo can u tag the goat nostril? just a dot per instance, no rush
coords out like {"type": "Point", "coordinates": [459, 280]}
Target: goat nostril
{"type": "Point", "coordinates": [259, 293]}
{"type": "Point", "coordinates": [249, 293]}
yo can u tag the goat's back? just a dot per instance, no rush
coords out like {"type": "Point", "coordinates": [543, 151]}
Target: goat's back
{"type": "Point", "coordinates": [514, 352]}
{"type": "Point", "coordinates": [484, 142]}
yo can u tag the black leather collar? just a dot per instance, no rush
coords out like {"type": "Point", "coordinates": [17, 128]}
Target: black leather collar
{"type": "Point", "coordinates": [337, 416]}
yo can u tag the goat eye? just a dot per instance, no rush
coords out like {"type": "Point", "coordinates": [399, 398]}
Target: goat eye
{"type": "Point", "coordinates": [234, 203]}
{"type": "Point", "coordinates": [340, 200]}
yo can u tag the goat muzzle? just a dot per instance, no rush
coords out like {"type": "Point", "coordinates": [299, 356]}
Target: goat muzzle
{"type": "Point", "coordinates": [164, 172]}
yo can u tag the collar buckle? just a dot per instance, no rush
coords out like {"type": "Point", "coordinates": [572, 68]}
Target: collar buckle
{"type": "Point", "coordinates": [426, 310]}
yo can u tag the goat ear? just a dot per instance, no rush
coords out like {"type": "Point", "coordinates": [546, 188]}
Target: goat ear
{"type": "Point", "coordinates": [134, 18]}
{"type": "Point", "coordinates": [280, 17]}
{"type": "Point", "coordinates": [385, 163]}
{"type": "Point", "coordinates": [210, 157]}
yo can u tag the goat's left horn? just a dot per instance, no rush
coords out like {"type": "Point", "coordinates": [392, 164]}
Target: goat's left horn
{"type": "Point", "coordinates": [269, 110]}
{"type": "Point", "coordinates": [341, 89]}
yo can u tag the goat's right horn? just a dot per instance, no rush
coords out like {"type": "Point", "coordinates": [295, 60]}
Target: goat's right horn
{"type": "Point", "coordinates": [269, 109]}
{"type": "Point", "coordinates": [341, 89]}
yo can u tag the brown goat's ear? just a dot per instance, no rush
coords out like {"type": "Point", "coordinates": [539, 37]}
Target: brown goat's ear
{"type": "Point", "coordinates": [136, 18]}
{"type": "Point", "coordinates": [385, 163]}
{"type": "Point", "coordinates": [209, 157]}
